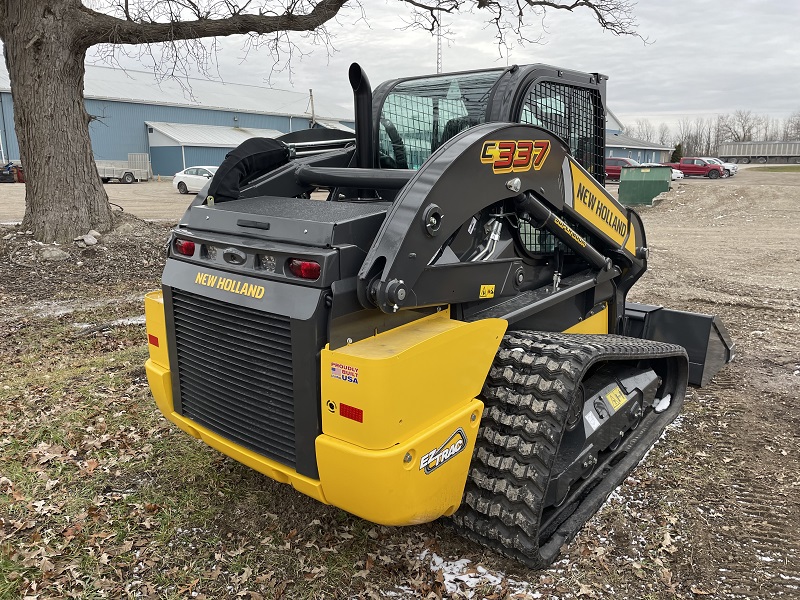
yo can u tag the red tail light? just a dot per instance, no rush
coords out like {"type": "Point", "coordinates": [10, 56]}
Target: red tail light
{"type": "Point", "coordinates": [184, 247]}
{"type": "Point", "coordinates": [306, 269]}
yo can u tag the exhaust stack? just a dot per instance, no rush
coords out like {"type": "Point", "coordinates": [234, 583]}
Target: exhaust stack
{"type": "Point", "coordinates": [362, 95]}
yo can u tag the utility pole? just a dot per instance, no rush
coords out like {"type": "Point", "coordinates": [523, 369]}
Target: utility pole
{"type": "Point", "coordinates": [438, 40]}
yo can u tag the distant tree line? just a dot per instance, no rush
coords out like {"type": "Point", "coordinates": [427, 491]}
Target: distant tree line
{"type": "Point", "coordinates": [702, 136]}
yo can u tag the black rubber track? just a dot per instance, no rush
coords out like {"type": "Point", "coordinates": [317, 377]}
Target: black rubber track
{"type": "Point", "coordinates": [527, 394]}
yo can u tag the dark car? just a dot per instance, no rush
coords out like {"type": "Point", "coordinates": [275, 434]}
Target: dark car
{"type": "Point", "coordinates": [614, 167]}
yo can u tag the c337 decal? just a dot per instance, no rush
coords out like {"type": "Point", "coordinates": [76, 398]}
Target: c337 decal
{"type": "Point", "coordinates": [515, 156]}
{"type": "Point", "coordinates": [434, 459]}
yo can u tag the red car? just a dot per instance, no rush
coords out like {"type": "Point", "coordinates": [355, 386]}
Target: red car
{"type": "Point", "coordinates": [614, 167]}
{"type": "Point", "coordinates": [699, 167]}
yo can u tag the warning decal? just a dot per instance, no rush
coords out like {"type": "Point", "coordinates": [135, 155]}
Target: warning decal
{"type": "Point", "coordinates": [616, 398]}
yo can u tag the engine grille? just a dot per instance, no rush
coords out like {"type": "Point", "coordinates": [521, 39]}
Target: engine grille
{"type": "Point", "coordinates": [235, 373]}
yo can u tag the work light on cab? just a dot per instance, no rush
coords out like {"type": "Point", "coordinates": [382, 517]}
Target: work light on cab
{"type": "Point", "coordinates": [305, 269]}
{"type": "Point", "coordinates": [184, 247]}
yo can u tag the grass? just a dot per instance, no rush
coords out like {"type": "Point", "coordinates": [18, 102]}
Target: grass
{"type": "Point", "coordinates": [779, 169]}
{"type": "Point", "coordinates": [100, 496]}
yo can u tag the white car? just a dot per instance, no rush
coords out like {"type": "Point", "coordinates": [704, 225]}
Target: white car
{"type": "Point", "coordinates": [192, 179]}
{"type": "Point", "coordinates": [676, 173]}
{"type": "Point", "coordinates": [730, 168]}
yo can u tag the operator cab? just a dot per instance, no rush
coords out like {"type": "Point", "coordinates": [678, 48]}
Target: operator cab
{"type": "Point", "coordinates": [418, 115]}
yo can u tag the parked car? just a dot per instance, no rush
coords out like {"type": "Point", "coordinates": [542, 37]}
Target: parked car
{"type": "Point", "coordinates": [730, 168]}
{"type": "Point", "coordinates": [676, 173]}
{"type": "Point", "coordinates": [192, 179]}
{"type": "Point", "coordinates": [614, 166]}
{"type": "Point", "coordinates": [693, 166]}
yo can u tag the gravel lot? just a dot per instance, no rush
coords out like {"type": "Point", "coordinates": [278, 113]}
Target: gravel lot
{"type": "Point", "coordinates": [151, 200]}
{"type": "Point", "coordinates": [159, 201]}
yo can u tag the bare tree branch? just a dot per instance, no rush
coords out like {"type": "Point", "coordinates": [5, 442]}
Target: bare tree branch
{"type": "Point", "coordinates": [143, 29]}
{"type": "Point", "coordinates": [513, 18]}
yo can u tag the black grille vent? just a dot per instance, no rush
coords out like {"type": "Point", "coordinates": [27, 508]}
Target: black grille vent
{"type": "Point", "coordinates": [235, 371]}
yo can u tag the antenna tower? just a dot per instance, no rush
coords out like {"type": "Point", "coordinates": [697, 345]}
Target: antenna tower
{"type": "Point", "coordinates": [438, 40]}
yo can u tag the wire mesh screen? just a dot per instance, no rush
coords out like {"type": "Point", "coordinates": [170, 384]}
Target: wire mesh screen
{"type": "Point", "coordinates": [536, 241]}
{"type": "Point", "coordinates": [417, 120]}
{"type": "Point", "coordinates": [427, 112]}
{"type": "Point", "coordinates": [540, 241]}
{"type": "Point", "coordinates": [573, 113]}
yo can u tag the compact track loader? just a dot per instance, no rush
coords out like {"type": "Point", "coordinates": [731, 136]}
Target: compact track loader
{"type": "Point", "coordinates": [446, 333]}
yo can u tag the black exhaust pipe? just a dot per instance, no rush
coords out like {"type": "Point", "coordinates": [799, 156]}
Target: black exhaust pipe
{"type": "Point", "coordinates": [362, 95]}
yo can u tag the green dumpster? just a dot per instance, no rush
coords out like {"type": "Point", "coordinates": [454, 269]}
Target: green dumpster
{"type": "Point", "coordinates": [639, 185]}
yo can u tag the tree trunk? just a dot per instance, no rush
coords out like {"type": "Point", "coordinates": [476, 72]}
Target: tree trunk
{"type": "Point", "coordinates": [64, 196]}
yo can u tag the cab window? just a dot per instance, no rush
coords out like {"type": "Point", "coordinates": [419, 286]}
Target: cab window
{"type": "Point", "coordinates": [419, 115]}
{"type": "Point", "coordinates": [573, 113]}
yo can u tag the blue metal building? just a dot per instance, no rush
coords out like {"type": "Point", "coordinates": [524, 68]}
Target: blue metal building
{"type": "Point", "coordinates": [619, 145]}
{"type": "Point", "coordinates": [129, 106]}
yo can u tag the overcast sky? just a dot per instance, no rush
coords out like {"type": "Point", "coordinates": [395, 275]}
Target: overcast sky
{"type": "Point", "coordinates": [703, 57]}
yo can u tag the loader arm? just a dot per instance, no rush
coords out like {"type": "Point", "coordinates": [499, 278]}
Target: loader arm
{"type": "Point", "coordinates": [527, 173]}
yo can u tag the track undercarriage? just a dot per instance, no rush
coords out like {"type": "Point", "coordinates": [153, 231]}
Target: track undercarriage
{"type": "Point", "coordinates": [567, 418]}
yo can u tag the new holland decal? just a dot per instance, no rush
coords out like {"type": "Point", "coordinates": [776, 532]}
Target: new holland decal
{"type": "Point", "coordinates": [601, 210]}
{"type": "Point", "coordinates": [514, 156]}
{"type": "Point", "coordinates": [230, 285]}
{"type": "Point", "coordinates": [434, 459]}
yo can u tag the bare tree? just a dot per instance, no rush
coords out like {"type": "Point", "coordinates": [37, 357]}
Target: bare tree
{"type": "Point", "coordinates": [696, 137]}
{"type": "Point", "coordinates": [702, 136]}
{"type": "Point", "coordinates": [45, 46]}
{"type": "Point", "coordinates": [768, 128]}
{"type": "Point", "coordinates": [742, 125]}
{"type": "Point", "coordinates": [719, 133]}
{"type": "Point", "coordinates": [685, 136]}
{"type": "Point", "coordinates": [791, 128]}
{"type": "Point", "coordinates": [643, 130]}
{"type": "Point", "coordinates": [664, 134]}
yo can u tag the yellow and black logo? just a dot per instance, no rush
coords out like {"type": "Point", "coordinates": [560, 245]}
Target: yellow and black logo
{"type": "Point", "coordinates": [616, 398]}
{"type": "Point", "coordinates": [230, 285]}
{"type": "Point", "coordinates": [487, 291]}
{"type": "Point", "coordinates": [515, 156]}
{"type": "Point", "coordinates": [434, 459]}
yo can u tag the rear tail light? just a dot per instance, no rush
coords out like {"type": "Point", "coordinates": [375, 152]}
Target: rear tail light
{"type": "Point", "coordinates": [305, 269]}
{"type": "Point", "coordinates": [184, 247]}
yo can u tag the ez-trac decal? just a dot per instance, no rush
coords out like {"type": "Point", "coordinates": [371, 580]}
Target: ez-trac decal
{"type": "Point", "coordinates": [434, 459]}
{"type": "Point", "coordinates": [514, 156]}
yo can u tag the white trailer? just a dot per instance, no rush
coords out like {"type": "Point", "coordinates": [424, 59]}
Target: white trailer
{"type": "Point", "coordinates": [760, 152]}
{"type": "Point", "coordinates": [136, 168]}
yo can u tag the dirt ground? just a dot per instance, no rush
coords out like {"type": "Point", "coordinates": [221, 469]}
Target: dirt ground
{"type": "Point", "coordinates": [712, 512]}
{"type": "Point", "coordinates": [152, 200]}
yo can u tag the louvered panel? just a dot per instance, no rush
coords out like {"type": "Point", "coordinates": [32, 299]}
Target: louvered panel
{"type": "Point", "coordinates": [235, 373]}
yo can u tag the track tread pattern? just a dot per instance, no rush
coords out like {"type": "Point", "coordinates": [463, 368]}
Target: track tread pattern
{"type": "Point", "coordinates": [527, 395]}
